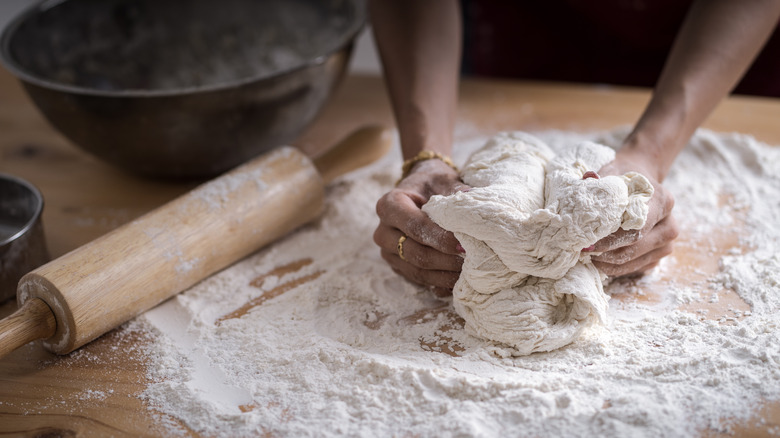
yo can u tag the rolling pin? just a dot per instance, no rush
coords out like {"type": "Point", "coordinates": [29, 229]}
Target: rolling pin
{"type": "Point", "coordinates": [72, 300]}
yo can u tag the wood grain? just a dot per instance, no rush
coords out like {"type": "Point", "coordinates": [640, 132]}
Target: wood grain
{"type": "Point", "coordinates": [95, 390]}
{"type": "Point", "coordinates": [34, 320]}
{"type": "Point", "coordinates": [131, 269]}
{"type": "Point", "coordinates": [112, 279]}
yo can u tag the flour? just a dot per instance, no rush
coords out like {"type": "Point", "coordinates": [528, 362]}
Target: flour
{"type": "Point", "coordinates": [526, 281]}
{"type": "Point", "coordinates": [339, 345]}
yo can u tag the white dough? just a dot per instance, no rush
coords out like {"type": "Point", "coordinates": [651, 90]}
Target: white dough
{"type": "Point", "coordinates": [526, 282]}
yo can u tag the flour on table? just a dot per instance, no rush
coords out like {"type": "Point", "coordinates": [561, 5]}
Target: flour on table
{"type": "Point", "coordinates": [316, 336]}
{"type": "Point", "coordinates": [525, 280]}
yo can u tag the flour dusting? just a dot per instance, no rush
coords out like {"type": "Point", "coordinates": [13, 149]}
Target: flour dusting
{"type": "Point", "coordinates": [316, 336]}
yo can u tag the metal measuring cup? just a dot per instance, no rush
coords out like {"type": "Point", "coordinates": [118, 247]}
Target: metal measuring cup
{"type": "Point", "coordinates": [22, 242]}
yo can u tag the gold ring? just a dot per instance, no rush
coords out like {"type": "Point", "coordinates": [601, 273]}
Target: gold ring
{"type": "Point", "coordinates": [401, 241]}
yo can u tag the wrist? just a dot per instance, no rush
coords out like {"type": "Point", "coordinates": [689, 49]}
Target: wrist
{"type": "Point", "coordinates": [663, 130]}
{"type": "Point", "coordinates": [433, 167]}
{"type": "Point", "coordinates": [635, 148]}
{"type": "Point", "coordinates": [428, 159]}
{"type": "Point", "coordinates": [655, 152]}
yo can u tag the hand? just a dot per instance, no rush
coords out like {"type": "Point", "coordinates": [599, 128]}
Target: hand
{"type": "Point", "coordinates": [432, 254]}
{"type": "Point", "coordinates": [633, 252]}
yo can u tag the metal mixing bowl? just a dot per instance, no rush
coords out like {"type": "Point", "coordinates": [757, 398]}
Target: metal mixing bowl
{"type": "Point", "coordinates": [181, 89]}
{"type": "Point", "coordinates": [22, 244]}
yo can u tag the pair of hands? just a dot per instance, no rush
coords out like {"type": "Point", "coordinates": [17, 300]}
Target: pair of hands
{"type": "Point", "coordinates": [433, 255]}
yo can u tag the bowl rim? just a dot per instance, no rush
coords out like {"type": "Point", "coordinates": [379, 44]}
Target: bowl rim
{"type": "Point", "coordinates": [347, 38]}
{"type": "Point", "coordinates": [35, 217]}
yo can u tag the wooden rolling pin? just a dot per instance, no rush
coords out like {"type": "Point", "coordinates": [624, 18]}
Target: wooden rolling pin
{"type": "Point", "coordinates": [74, 299]}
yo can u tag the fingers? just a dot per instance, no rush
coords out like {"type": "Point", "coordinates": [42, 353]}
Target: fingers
{"type": "Point", "coordinates": [427, 277]}
{"type": "Point", "coordinates": [401, 210]}
{"type": "Point", "coordinates": [662, 234]}
{"type": "Point", "coordinates": [619, 239]}
{"type": "Point", "coordinates": [635, 266]}
{"type": "Point", "coordinates": [416, 254]}
{"type": "Point", "coordinates": [643, 254]}
{"type": "Point", "coordinates": [430, 252]}
{"type": "Point", "coordinates": [661, 205]}
{"type": "Point", "coordinates": [628, 252]}
{"type": "Point", "coordinates": [431, 255]}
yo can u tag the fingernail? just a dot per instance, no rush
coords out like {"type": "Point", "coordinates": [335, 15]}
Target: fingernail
{"type": "Point", "coordinates": [589, 249]}
{"type": "Point", "coordinates": [460, 249]}
{"type": "Point", "coordinates": [590, 174]}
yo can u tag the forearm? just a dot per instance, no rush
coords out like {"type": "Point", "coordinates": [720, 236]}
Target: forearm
{"type": "Point", "coordinates": [716, 44]}
{"type": "Point", "coordinates": [419, 43]}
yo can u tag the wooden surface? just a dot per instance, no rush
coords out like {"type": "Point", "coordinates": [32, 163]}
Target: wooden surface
{"type": "Point", "coordinates": [116, 277]}
{"type": "Point", "coordinates": [93, 391]}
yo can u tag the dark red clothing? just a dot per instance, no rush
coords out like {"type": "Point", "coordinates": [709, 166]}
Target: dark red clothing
{"type": "Point", "coordinates": [621, 42]}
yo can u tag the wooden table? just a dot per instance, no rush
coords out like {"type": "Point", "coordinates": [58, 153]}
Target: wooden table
{"type": "Point", "coordinates": [94, 390]}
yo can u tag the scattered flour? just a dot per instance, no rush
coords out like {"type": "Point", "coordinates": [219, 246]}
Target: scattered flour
{"type": "Point", "coordinates": [316, 336]}
{"type": "Point", "coordinates": [91, 394]}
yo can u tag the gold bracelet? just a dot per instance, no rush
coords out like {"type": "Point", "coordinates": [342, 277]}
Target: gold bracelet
{"type": "Point", "coordinates": [422, 156]}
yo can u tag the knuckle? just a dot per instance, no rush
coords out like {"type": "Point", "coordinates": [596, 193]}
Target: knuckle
{"type": "Point", "coordinates": [386, 256]}
{"type": "Point", "coordinates": [378, 236]}
{"type": "Point", "coordinates": [387, 202]}
{"type": "Point", "coordinates": [666, 250]}
{"type": "Point", "coordinates": [668, 202]}
{"type": "Point", "coordinates": [674, 229]}
{"type": "Point", "coordinates": [381, 206]}
{"type": "Point", "coordinates": [672, 233]}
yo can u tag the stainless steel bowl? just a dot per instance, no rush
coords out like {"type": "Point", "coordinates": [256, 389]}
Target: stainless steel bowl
{"type": "Point", "coordinates": [181, 89]}
{"type": "Point", "coordinates": [22, 243]}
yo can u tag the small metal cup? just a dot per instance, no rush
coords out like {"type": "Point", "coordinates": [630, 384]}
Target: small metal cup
{"type": "Point", "coordinates": [22, 242]}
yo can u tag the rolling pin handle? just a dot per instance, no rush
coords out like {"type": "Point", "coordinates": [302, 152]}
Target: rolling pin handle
{"type": "Point", "coordinates": [360, 148]}
{"type": "Point", "coordinates": [34, 320]}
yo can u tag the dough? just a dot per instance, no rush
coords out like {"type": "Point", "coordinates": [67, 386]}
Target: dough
{"type": "Point", "coordinates": [526, 282]}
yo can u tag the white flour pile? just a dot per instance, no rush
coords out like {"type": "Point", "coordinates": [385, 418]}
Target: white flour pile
{"type": "Point", "coordinates": [316, 336]}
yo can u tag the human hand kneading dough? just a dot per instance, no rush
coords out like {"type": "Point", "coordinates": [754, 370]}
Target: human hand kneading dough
{"type": "Point", "coordinates": [432, 255]}
{"type": "Point", "coordinates": [420, 46]}
{"type": "Point", "coordinates": [633, 252]}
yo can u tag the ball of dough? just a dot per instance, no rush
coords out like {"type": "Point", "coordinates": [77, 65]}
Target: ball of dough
{"type": "Point", "coordinates": [525, 282]}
